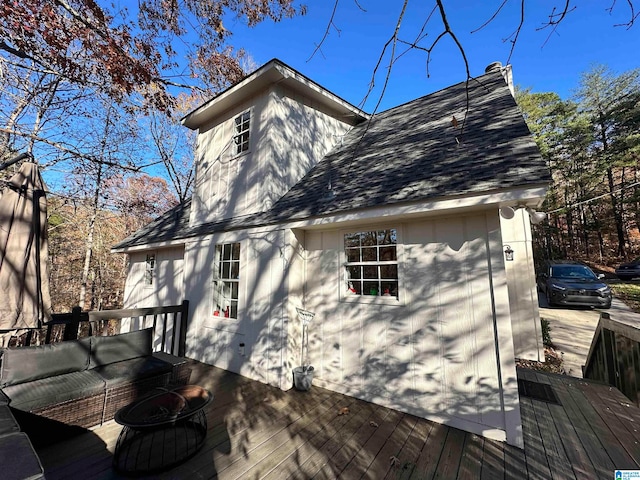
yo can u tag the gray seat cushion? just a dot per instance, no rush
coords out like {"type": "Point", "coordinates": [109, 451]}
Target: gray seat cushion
{"type": "Point", "coordinates": [18, 458]}
{"type": "Point", "coordinates": [116, 348]}
{"type": "Point", "coordinates": [24, 364]}
{"type": "Point", "coordinates": [8, 423]}
{"type": "Point", "coordinates": [132, 370]}
{"type": "Point", "coordinates": [50, 391]}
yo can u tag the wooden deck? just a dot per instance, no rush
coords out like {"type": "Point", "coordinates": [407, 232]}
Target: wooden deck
{"type": "Point", "coordinates": [259, 432]}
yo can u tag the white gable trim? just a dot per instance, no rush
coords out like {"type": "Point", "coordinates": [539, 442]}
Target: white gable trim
{"type": "Point", "coordinates": [272, 72]}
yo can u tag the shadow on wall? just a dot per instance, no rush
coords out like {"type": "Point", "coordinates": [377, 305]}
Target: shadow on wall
{"type": "Point", "coordinates": [261, 325]}
{"type": "Point", "coordinates": [435, 356]}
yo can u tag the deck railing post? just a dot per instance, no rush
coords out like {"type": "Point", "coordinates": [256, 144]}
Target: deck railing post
{"type": "Point", "coordinates": [71, 329]}
{"type": "Point", "coordinates": [184, 317]}
{"type": "Point", "coordinates": [613, 356]}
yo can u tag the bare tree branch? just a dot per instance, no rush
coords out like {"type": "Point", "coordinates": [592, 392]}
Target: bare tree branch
{"type": "Point", "coordinates": [516, 34]}
{"type": "Point", "coordinates": [326, 33]}
{"type": "Point", "coordinates": [449, 32]}
{"type": "Point", "coordinates": [493, 17]}
{"type": "Point", "coordinates": [74, 153]}
{"type": "Point", "coordinates": [359, 6]}
{"type": "Point", "coordinates": [555, 19]}
{"type": "Point", "coordinates": [393, 42]}
{"type": "Point", "coordinates": [419, 37]}
{"type": "Point", "coordinates": [632, 16]}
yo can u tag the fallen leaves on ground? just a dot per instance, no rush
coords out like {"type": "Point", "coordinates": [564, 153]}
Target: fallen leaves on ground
{"type": "Point", "coordinates": [552, 364]}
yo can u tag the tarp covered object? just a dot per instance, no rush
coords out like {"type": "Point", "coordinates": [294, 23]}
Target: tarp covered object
{"type": "Point", "coordinates": [24, 274]}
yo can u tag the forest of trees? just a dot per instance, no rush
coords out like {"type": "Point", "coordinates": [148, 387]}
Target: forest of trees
{"type": "Point", "coordinates": [592, 144]}
{"type": "Point", "coordinates": [94, 92]}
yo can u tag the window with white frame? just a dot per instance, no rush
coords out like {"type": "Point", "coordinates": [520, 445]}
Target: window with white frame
{"type": "Point", "coordinates": [241, 132]}
{"type": "Point", "coordinates": [226, 280]}
{"type": "Point", "coordinates": [371, 266]}
{"type": "Point", "coordinates": [150, 269]}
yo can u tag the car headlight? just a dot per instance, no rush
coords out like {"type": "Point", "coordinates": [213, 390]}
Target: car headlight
{"type": "Point", "coordinates": [557, 286]}
{"type": "Point", "coordinates": [604, 289]}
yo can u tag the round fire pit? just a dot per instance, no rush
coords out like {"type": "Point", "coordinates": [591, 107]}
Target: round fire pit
{"type": "Point", "coordinates": [161, 431]}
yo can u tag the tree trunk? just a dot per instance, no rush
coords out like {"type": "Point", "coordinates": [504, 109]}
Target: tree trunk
{"type": "Point", "coordinates": [87, 257]}
{"type": "Point", "coordinates": [89, 245]}
{"type": "Point", "coordinates": [585, 230]}
{"type": "Point", "coordinates": [617, 213]}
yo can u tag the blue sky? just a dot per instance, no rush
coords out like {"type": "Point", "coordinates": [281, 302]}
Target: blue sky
{"type": "Point", "coordinates": [541, 61]}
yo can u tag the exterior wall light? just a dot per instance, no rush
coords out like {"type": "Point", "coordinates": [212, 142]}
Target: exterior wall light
{"type": "Point", "coordinates": [536, 217]}
{"type": "Point", "coordinates": [508, 253]}
{"type": "Point", "coordinates": [508, 213]}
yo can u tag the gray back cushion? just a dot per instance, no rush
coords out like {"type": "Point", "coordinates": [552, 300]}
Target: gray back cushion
{"type": "Point", "coordinates": [105, 350]}
{"type": "Point", "coordinates": [24, 364]}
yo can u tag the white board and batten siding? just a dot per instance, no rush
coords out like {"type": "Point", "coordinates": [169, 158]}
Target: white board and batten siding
{"type": "Point", "coordinates": [288, 135]}
{"type": "Point", "coordinates": [260, 343]}
{"type": "Point", "coordinates": [443, 350]}
{"type": "Point", "coordinates": [523, 296]}
{"type": "Point", "coordinates": [166, 288]}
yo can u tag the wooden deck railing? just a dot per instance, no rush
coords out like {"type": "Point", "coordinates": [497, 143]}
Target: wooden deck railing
{"type": "Point", "coordinates": [614, 357]}
{"type": "Point", "coordinates": [69, 326]}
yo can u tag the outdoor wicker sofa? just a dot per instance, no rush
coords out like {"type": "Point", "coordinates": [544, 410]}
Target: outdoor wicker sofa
{"type": "Point", "coordinates": [18, 458]}
{"type": "Point", "coordinates": [82, 383]}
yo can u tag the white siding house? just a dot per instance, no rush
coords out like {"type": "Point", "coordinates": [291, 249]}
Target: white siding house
{"type": "Point", "coordinates": [386, 227]}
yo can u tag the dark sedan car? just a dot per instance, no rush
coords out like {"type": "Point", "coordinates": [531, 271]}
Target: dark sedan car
{"type": "Point", "coordinates": [572, 283]}
{"type": "Point", "coordinates": [630, 270]}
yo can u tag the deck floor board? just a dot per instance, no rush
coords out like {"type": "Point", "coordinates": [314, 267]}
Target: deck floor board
{"type": "Point", "coordinates": [258, 431]}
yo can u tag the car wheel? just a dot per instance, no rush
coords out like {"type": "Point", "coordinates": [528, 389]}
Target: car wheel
{"type": "Point", "coordinates": [608, 305]}
{"type": "Point", "coordinates": [549, 300]}
{"type": "Point", "coordinates": [624, 278]}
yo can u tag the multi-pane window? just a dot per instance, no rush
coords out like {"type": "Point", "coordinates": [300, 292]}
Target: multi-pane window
{"type": "Point", "coordinates": [226, 280]}
{"type": "Point", "coordinates": [372, 262]}
{"type": "Point", "coordinates": [241, 135]}
{"type": "Point", "coordinates": [150, 268]}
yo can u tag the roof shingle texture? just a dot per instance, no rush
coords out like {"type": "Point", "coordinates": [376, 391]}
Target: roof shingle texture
{"type": "Point", "coordinates": [413, 152]}
{"type": "Point", "coordinates": [417, 151]}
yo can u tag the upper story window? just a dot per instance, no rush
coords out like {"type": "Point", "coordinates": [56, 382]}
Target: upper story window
{"type": "Point", "coordinates": [241, 132]}
{"type": "Point", "coordinates": [372, 262]}
{"type": "Point", "coordinates": [226, 280]}
{"type": "Point", "coordinates": [150, 269]}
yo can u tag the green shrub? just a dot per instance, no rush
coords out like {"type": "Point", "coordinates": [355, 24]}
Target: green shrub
{"type": "Point", "coordinates": [546, 332]}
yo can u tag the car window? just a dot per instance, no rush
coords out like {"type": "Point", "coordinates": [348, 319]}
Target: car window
{"type": "Point", "coordinates": [572, 271]}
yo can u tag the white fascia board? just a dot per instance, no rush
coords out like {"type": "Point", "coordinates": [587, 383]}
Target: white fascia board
{"type": "Point", "coordinates": [532, 197]}
{"type": "Point", "coordinates": [151, 246]}
{"type": "Point", "coordinates": [272, 72]}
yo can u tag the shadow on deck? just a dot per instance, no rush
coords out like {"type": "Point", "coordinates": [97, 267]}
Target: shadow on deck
{"type": "Point", "coordinates": [257, 431]}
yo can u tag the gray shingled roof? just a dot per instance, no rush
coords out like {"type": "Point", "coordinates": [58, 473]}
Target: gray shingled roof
{"type": "Point", "coordinates": [166, 227]}
{"type": "Point", "coordinates": [408, 153]}
{"type": "Point", "coordinates": [414, 152]}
